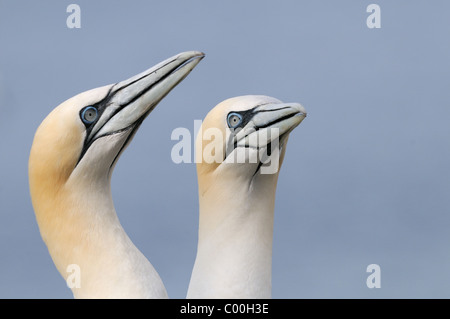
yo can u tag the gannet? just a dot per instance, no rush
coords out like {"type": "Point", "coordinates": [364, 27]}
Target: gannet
{"type": "Point", "coordinates": [73, 155]}
{"type": "Point", "coordinates": [236, 199]}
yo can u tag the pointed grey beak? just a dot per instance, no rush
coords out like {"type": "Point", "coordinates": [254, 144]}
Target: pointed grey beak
{"type": "Point", "coordinates": [130, 101]}
{"type": "Point", "coordinates": [270, 122]}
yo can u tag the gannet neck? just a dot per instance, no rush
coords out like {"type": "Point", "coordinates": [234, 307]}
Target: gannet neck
{"type": "Point", "coordinates": [234, 253]}
{"type": "Point", "coordinates": [90, 236]}
{"type": "Point", "coordinates": [79, 225]}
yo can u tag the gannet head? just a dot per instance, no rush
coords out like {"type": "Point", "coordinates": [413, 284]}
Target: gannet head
{"type": "Point", "coordinates": [241, 136]}
{"type": "Point", "coordinates": [78, 144]}
{"type": "Point", "coordinates": [84, 136]}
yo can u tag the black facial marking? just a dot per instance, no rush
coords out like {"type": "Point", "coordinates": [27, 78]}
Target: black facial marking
{"type": "Point", "coordinates": [100, 106]}
{"type": "Point", "coordinates": [246, 117]}
{"type": "Point", "coordinates": [106, 102]}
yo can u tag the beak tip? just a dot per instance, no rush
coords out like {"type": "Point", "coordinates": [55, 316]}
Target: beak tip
{"type": "Point", "coordinates": [189, 55]}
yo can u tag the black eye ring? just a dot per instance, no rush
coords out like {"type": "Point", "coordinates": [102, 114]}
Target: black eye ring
{"type": "Point", "coordinates": [234, 119]}
{"type": "Point", "coordinates": [89, 115]}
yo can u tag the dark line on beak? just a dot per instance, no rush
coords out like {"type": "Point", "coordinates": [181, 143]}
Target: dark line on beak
{"type": "Point", "coordinates": [144, 91]}
{"type": "Point", "coordinates": [257, 128]}
{"type": "Point", "coordinates": [281, 108]}
{"type": "Point", "coordinates": [127, 141]}
{"type": "Point", "coordinates": [277, 120]}
{"type": "Point", "coordinates": [88, 142]}
{"type": "Point", "coordinates": [137, 80]}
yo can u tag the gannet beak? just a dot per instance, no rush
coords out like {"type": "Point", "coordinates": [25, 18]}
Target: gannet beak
{"type": "Point", "coordinates": [129, 102]}
{"type": "Point", "coordinates": [135, 98]}
{"type": "Point", "coordinates": [270, 122]}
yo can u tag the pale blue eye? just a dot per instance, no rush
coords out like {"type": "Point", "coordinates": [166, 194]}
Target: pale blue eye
{"type": "Point", "coordinates": [89, 115]}
{"type": "Point", "coordinates": [234, 119]}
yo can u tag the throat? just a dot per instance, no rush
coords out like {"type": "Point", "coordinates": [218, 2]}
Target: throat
{"type": "Point", "coordinates": [234, 254]}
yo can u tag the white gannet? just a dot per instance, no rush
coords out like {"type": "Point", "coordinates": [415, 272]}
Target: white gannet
{"type": "Point", "coordinates": [236, 199]}
{"type": "Point", "coordinates": [71, 161]}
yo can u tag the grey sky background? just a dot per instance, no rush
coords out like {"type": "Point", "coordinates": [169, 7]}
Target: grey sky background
{"type": "Point", "coordinates": [366, 178]}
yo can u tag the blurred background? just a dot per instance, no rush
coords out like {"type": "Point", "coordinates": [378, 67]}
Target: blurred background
{"type": "Point", "coordinates": [366, 178]}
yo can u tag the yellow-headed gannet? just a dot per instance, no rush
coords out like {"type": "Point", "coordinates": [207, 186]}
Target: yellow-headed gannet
{"type": "Point", "coordinates": [237, 196]}
{"type": "Point", "coordinates": [71, 161]}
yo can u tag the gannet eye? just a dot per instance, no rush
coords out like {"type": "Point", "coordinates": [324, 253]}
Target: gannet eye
{"type": "Point", "coordinates": [234, 119]}
{"type": "Point", "coordinates": [89, 115]}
